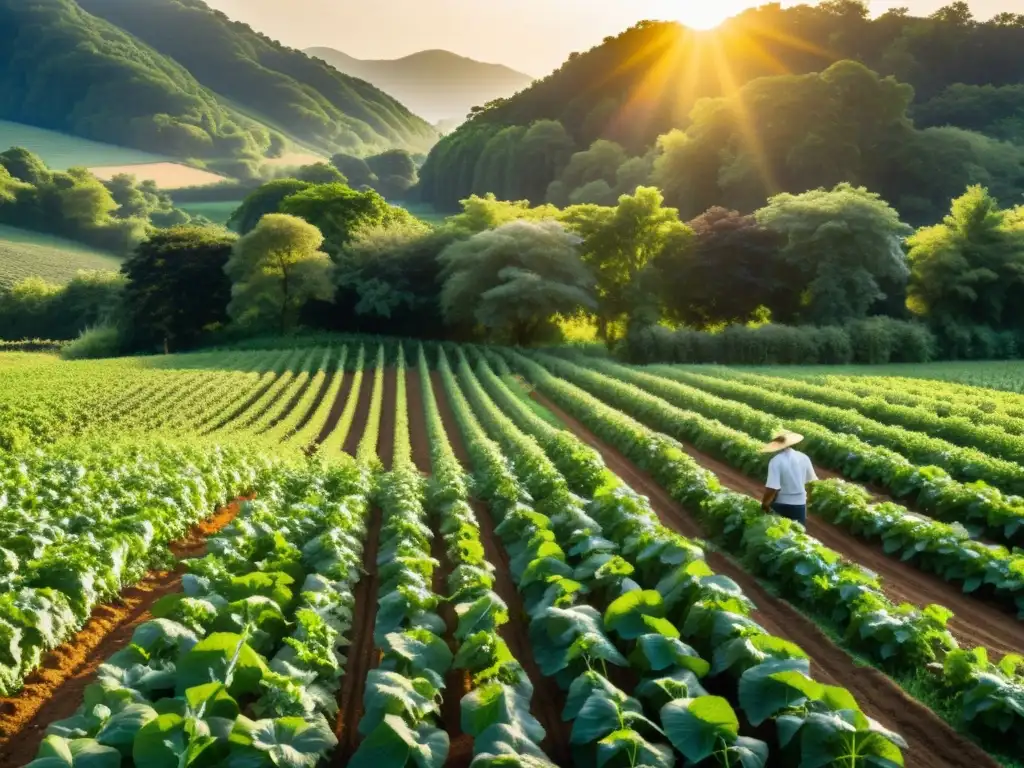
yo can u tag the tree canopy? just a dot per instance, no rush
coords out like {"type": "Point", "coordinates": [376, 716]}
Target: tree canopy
{"type": "Point", "coordinates": [514, 279]}
{"type": "Point", "coordinates": [275, 270]}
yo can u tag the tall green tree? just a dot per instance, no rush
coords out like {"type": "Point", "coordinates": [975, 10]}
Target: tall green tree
{"type": "Point", "coordinates": [338, 211]}
{"type": "Point", "coordinates": [969, 269]}
{"type": "Point", "coordinates": [176, 287]}
{"type": "Point", "coordinates": [841, 245]}
{"type": "Point", "coordinates": [263, 200]}
{"type": "Point", "coordinates": [275, 270]}
{"type": "Point", "coordinates": [488, 212]}
{"type": "Point", "coordinates": [621, 244]}
{"type": "Point", "coordinates": [512, 281]}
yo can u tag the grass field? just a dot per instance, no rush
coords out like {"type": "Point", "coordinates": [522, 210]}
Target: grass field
{"type": "Point", "coordinates": [31, 254]}
{"type": "Point", "coordinates": [61, 151]}
{"type": "Point", "coordinates": [218, 212]}
{"type": "Point", "coordinates": [166, 175]}
{"type": "Point", "coordinates": [487, 538]}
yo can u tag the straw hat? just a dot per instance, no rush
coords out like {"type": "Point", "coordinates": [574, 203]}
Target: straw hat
{"type": "Point", "coordinates": [782, 440]}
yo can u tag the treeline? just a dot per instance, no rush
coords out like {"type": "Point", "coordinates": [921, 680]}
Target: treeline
{"type": "Point", "coordinates": [63, 69]}
{"type": "Point", "coordinates": [112, 215]}
{"type": "Point", "coordinates": [649, 107]}
{"type": "Point", "coordinates": [304, 96]}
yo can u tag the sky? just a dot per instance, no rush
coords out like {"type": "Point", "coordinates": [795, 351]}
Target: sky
{"type": "Point", "coordinates": [533, 36]}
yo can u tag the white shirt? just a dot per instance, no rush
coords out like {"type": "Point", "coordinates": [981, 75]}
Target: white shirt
{"type": "Point", "coordinates": [788, 472]}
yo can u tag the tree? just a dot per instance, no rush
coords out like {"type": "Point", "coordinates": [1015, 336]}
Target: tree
{"type": "Point", "coordinates": [25, 166]}
{"type": "Point", "coordinates": [732, 270]}
{"type": "Point", "coordinates": [840, 245]}
{"type": "Point", "coordinates": [274, 270]}
{"type": "Point", "coordinates": [338, 211]}
{"type": "Point", "coordinates": [480, 214]}
{"type": "Point", "coordinates": [388, 281]}
{"type": "Point", "coordinates": [320, 173]}
{"type": "Point", "coordinates": [969, 269]}
{"type": "Point", "coordinates": [354, 169]}
{"type": "Point", "coordinates": [513, 280]}
{"type": "Point", "coordinates": [176, 287]}
{"type": "Point", "coordinates": [263, 200]}
{"type": "Point", "coordinates": [620, 244]}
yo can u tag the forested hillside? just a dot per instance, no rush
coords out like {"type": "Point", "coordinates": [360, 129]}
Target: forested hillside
{"type": "Point", "coordinates": [660, 98]}
{"type": "Point", "coordinates": [300, 95]}
{"type": "Point", "coordinates": [62, 69]}
{"type": "Point", "coordinates": [437, 85]}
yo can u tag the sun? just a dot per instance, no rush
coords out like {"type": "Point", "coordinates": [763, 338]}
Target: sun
{"type": "Point", "coordinates": [707, 14]}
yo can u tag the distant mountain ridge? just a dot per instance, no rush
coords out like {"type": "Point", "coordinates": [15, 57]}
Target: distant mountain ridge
{"type": "Point", "coordinates": [437, 85]}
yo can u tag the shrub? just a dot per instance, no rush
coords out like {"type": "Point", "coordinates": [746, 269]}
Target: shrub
{"type": "Point", "coordinates": [99, 341]}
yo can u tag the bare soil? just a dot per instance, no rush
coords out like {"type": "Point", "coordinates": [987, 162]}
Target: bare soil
{"type": "Point", "coordinates": [54, 691]}
{"type": "Point", "coordinates": [337, 407]}
{"type": "Point", "coordinates": [932, 742]}
{"type": "Point", "coordinates": [417, 421]}
{"type": "Point", "coordinates": [386, 433]}
{"type": "Point", "coordinates": [361, 414]}
{"type": "Point", "coordinates": [548, 699]}
{"type": "Point", "coordinates": [361, 654]}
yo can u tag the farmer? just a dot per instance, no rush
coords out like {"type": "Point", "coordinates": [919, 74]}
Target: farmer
{"type": "Point", "coordinates": [789, 471]}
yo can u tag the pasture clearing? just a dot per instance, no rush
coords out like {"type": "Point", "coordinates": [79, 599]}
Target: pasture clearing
{"type": "Point", "coordinates": [32, 254]}
{"type": "Point", "coordinates": [218, 211]}
{"type": "Point", "coordinates": [167, 175]}
{"type": "Point", "coordinates": [61, 151]}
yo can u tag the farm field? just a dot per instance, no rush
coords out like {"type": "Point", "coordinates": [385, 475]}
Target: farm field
{"type": "Point", "coordinates": [61, 151]}
{"type": "Point", "coordinates": [1006, 375]}
{"type": "Point", "coordinates": [167, 175]}
{"type": "Point", "coordinates": [377, 553]}
{"type": "Point", "coordinates": [218, 212]}
{"type": "Point", "coordinates": [33, 254]}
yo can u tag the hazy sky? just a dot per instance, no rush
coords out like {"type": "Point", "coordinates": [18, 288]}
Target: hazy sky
{"type": "Point", "coordinates": [534, 36]}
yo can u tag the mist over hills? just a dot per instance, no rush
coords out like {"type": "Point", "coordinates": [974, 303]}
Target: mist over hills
{"type": "Point", "coordinates": [439, 86]}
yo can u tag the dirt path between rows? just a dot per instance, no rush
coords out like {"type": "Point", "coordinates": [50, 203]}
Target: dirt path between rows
{"type": "Point", "coordinates": [548, 699]}
{"type": "Point", "coordinates": [361, 654]}
{"type": "Point", "coordinates": [388, 412]}
{"type": "Point", "coordinates": [361, 415]}
{"type": "Point", "coordinates": [54, 691]}
{"type": "Point", "coordinates": [337, 407]}
{"type": "Point", "coordinates": [418, 435]}
{"type": "Point", "coordinates": [932, 742]}
{"type": "Point", "coordinates": [975, 621]}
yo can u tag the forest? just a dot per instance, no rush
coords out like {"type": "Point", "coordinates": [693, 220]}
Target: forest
{"type": "Point", "coordinates": [915, 109]}
{"type": "Point", "coordinates": [234, 98]}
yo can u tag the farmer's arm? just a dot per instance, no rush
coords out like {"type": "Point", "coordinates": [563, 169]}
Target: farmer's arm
{"type": "Point", "coordinates": [772, 486]}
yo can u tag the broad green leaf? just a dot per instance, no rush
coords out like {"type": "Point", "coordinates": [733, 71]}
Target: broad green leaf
{"type": "Point", "coordinates": [419, 650]}
{"type": "Point", "coordinates": [627, 747]}
{"type": "Point", "coordinates": [625, 615]}
{"type": "Point", "coordinates": [121, 729]}
{"type": "Point", "coordinates": [494, 704]}
{"type": "Point", "coordinates": [699, 727]}
{"type": "Point", "coordinates": [210, 660]}
{"type": "Point", "coordinates": [293, 742]}
{"type": "Point", "coordinates": [655, 653]}
{"type": "Point", "coordinates": [392, 744]}
{"type": "Point", "coordinates": [775, 685]}
{"type": "Point", "coordinates": [486, 612]}
{"type": "Point", "coordinates": [58, 752]}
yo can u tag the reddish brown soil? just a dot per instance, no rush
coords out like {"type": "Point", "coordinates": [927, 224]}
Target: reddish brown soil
{"type": "Point", "coordinates": [54, 691]}
{"type": "Point", "coordinates": [932, 742]}
{"type": "Point", "coordinates": [417, 421]}
{"type": "Point", "coordinates": [361, 654]}
{"type": "Point", "coordinates": [548, 700]}
{"type": "Point", "coordinates": [386, 433]}
{"type": "Point", "coordinates": [337, 407]}
{"type": "Point", "coordinates": [361, 415]}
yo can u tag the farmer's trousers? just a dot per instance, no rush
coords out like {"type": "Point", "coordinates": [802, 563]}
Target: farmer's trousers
{"type": "Point", "coordinates": [796, 512]}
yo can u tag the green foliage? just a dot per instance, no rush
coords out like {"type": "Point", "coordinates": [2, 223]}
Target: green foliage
{"type": "Point", "coordinates": [843, 244]}
{"type": "Point", "coordinates": [92, 343]}
{"type": "Point", "coordinates": [176, 287]}
{"type": "Point", "coordinates": [320, 173]}
{"type": "Point", "coordinates": [263, 200]}
{"type": "Point", "coordinates": [512, 280]}
{"type": "Point", "coordinates": [34, 308]}
{"type": "Point", "coordinates": [274, 270]}
{"type": "Point", "coordinates": [339, 211]}
{"type": "Point", "coordinates": [969, 269]}
{"type": "Point", "coordinates": [301, 95]}
{"type": "Point", "coordinates": [103, 85]}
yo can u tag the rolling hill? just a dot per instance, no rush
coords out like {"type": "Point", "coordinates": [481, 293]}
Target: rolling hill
{"type": "Point", "coordinates": [302, 96]}
{"type": "Point", "coordinates": [650, 80]}
{"type": "Point", "coordinates": [440, 86]}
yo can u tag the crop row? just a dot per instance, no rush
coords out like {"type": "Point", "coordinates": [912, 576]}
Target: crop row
{"type": "Point", "coordinates": [84, 521]}
{"type": "Point", "coordinates": [642, 629]}
{"type": "Point", "coordinates": [901, 639]}
{"type": "Point", "coordinates": [946, 550]}
{"type": "Point", "coordinates": [965, 464]}
{"type": "Point", "coordinates": [257, 628]}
